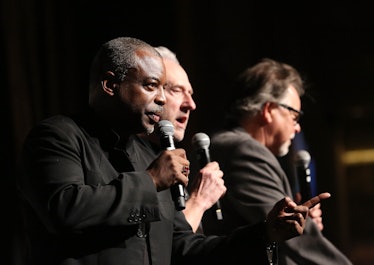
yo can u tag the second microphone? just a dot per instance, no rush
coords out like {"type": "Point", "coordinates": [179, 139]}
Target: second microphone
{"type": "Point", "coordinates": [201, 142]}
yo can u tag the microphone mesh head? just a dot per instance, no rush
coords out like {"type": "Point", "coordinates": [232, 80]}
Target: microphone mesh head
{"type": "Point", "coordinates": [302, 158]}
{"type": "Point", "coordinates": [200, 141]}
{"type": "Point", "coordinates": [165, 128]}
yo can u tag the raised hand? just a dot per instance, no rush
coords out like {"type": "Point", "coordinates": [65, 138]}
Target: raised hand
{"type": "Point", "coordinates": [287, 219]}
{"type": "Point", "coordinates": [317, 199]}
{"type": "Point", "coordinates": [315, 211]}
{"type": "Point", "coordinates": [316, 214]}
{"type": "Point", "coordinates": [207, 188]}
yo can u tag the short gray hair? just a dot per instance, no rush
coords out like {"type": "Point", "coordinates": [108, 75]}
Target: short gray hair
{"type": "Point", "coordinates": [167, 54]}
{"type": "Point", "coordinates": [266, 81]}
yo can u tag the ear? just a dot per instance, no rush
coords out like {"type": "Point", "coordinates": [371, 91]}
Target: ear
{"type": "Point", "coordinates": [266, 115]}
{"type": "Point", "coordinates": [109, 83]}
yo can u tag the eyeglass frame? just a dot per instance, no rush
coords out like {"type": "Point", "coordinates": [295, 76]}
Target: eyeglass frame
{"type": "Point", "coordinates": [289, 108]}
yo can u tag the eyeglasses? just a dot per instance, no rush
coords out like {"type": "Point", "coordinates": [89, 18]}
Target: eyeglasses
{"type": "Point", "coordinates": [296, 113]}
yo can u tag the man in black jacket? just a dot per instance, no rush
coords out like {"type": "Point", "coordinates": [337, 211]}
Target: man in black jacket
{"type": "Point", "coordinates": [87, 203]}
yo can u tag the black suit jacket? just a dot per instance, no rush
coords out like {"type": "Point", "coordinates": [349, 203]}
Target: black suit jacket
{"type": "Point", "coordinates": [88, 200]}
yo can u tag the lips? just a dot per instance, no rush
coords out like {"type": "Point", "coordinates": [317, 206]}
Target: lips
{"type": "Point", "coordinates": [182, 121]}
{"type": "Point", "coordinates": [155, 118]}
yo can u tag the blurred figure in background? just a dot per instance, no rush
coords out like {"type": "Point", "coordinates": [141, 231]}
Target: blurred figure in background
{"type": "Point", "coordinates": [262, 121]}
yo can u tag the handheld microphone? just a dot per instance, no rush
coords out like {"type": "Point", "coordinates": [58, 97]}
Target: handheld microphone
{"type": "Point", "coordinates": [201, 142]}
{"type": "Point", "coordinates": [166, 131]}
{"type": "Point", "coordinates": [302, 161]}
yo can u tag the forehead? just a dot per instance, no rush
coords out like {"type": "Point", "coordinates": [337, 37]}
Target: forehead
{"type": "Point", "coordinates": [176, 75]}
{"type": "Point", "coordinates": [150, 64]}
{"type": "Point", "coordinates": [291, 95]}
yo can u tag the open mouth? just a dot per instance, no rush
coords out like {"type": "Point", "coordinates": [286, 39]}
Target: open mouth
{"type": "Point", "coordinates": [182, 120]}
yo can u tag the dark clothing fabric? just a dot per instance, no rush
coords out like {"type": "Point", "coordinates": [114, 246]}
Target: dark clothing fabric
{"type": "Point", "coordinates": [235, 254]}
{"type": "Point", "coordinates": [87, 200]}
{"type": "Point", "coordinates": [255, 181]}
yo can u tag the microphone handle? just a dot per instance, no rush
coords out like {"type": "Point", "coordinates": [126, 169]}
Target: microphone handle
{"type": "Point", "coordinates": [219, 211]}
{"type": "Point", "coordinates": [177, 190]}
{"type": "Point", "coordinates": [304, 180]}
{"type": "Point", "coordinates": [204, 158]}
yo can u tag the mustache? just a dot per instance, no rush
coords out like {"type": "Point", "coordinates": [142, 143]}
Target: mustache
{"type": "Point", "coordinates": [157, 110]}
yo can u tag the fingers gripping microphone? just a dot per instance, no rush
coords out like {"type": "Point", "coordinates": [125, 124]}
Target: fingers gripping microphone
{"type": "Point", "coordinates": [166, 130]}
{"type": "Point", "coordinates": [302, 161]}
{"type": "Point", "coordinates": [201, 142]}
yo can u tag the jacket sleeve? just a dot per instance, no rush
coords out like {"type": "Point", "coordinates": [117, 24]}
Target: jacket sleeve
{"type": "Point", "coordinates": [71, 185]}
{"type": "Point", "coordinates": [253, 178]}
{"type": "Point", "coordinates": [244, 245]}
{"type": "Point", "coordinates": [255, 182]}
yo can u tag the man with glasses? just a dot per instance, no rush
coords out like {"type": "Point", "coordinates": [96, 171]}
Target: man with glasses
{"type": "Point", "coordinates": [262, 121]}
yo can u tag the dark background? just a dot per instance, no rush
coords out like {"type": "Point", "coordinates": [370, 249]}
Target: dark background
{"type": "Point", "coordinates": [46, 48]}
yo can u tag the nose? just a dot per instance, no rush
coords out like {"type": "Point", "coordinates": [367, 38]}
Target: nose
{"type": "Point", "coordinates": [297, 127]}
{"type": "Point", "coordinates": [160, 97]}
{"type": "Point", "coordinates": [189, 103]}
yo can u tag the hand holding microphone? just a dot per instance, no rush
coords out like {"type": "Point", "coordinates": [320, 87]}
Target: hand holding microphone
{"type": "Point", "coordinates": [209, 185]}
{"type": "Point", "coordinates": [179, 164]}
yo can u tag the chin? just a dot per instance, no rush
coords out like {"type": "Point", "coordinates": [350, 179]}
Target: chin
{"type": "Point", "coordinates": [149, 129]}
{"type": "Point", "coordinates": [178, 136]}
{"type": "Point", "coordinates": [283, 150]}
{"type": "Point", "coordinates": [281, 154]}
